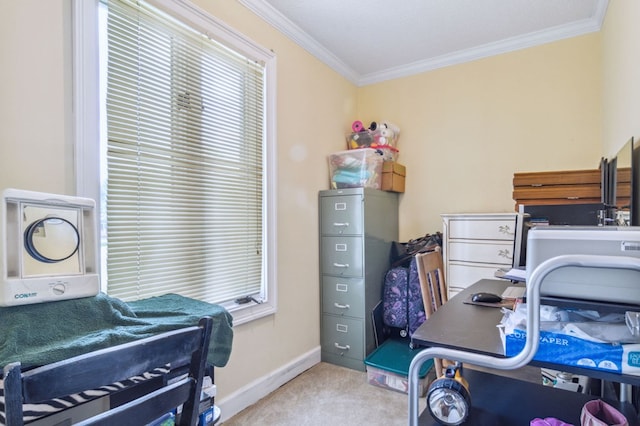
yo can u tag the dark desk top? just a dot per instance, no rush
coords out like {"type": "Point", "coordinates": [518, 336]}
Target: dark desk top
{"type": "Point", "coordinates": [498, 400]}
{"type": "Point", "coordinates": [461, 326]}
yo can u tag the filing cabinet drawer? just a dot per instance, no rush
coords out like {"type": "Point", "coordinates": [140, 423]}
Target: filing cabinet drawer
{"type": "Point", "coordinates": [462, 275]}
{"type": "Point", "coordinates": [341, 215]}
{"type": "Point", "coordinates": [481, 252]}
{"type": "Point", "coordinates": [343, 296]}
{"type": "Point", "coordinates": [342, 256]}
{"type": "Point", "coordinates": [503, 229]}
{"type": "Point", "coordinates": [343, 336]}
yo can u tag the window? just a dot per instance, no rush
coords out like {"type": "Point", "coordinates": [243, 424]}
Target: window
{"type": "Point", "coordinates": [187, 154]}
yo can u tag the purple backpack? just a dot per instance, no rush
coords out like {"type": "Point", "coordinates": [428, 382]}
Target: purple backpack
{"type": "Point", "coordinates": [402, 299]}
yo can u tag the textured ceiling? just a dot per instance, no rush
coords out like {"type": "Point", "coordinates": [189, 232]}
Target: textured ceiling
{"type": "Point", "coordinates": [374, 40]}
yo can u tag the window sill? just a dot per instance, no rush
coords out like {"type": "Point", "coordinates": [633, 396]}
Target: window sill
{"type": "Point", "coordinates": [243, 314]}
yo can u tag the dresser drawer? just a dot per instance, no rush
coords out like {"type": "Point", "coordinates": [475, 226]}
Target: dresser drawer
{"type": "Point", "coordinates": [343, 336]}
{"type": "Point", "coordinates": [503, 229]}
{"type": "Point", "coordinates": [462, 275]}
{"type": "Point", "coordinates": [481, 252]}
{"type": "Point", "coordinates": [342, 256]}
{"type": "Point", "coordinates": [341, 215]}
{"type": "Point", "coordinates": [343, 296]}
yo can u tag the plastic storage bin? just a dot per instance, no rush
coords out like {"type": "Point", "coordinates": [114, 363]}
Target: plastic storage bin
{"type": "Point", "coordinates": [388, 152]}
{"type": "Point", "coordinates": [359, 140]}
{"type": "Point", "coordinates": [356, 168]}
{"type": "Point", "coordinates": [388, 367]}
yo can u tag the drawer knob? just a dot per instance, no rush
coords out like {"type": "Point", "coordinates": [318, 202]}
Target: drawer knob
{"type": "Point", "coordinates": [343, 224]}
{"type": "Point", "coordinates": [505, 253]}
{"type": "Point", "coordinates": [342, 348]}
{"type": "Point", "coordinates": [505, 229]}
{"type": "Point", "coordinates": [339, 306]}
{"type": "Point", "coordinates": [340, 265]}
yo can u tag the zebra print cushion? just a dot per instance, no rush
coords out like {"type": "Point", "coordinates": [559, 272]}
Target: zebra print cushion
{"type": "Point", "coordinates": [36, 411]}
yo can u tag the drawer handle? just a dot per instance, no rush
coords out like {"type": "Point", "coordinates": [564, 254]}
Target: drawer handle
{"type": "Point", "coordinates": [504, 253]}
{"type": "Point", "coordinates": [341, 265]}
{"type": "Point", "coordinates": [345, 224]}
{"type": "Point", "coordinates": [505, 229]}
{"type": "Point", "coordinates": [339, 306]}
{"type": "Point", "coordinates": [342, 348]}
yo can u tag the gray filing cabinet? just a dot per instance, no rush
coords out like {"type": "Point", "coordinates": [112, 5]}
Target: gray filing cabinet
{"type": "Point", "coordinates": [357, 226]}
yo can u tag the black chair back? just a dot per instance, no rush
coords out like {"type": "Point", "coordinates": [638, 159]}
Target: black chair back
{"type": "Point", "coordinates": [184, 349]}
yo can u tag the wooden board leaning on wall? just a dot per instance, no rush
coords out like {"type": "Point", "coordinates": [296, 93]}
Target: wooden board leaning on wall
{"type": "Point", "coordinates": [565, 187]}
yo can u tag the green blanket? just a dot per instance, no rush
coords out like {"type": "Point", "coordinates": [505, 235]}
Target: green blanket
{"type": "Point", "coordinates": [47, 332]}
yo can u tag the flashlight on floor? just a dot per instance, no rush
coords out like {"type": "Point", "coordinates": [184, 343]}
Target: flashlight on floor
{"type": "Point", "coordinates": [448, 398]}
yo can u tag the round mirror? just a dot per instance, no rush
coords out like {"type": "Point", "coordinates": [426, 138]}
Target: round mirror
{"type": "Point", "coordinates": [51, 239]}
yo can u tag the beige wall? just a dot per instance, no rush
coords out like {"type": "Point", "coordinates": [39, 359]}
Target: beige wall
{"type": "Point", "coordinates": [36, 144]}
{"type": "Point", "coordinates": [466, 129]}
{"type": "Point", "coordinates": [621, 74]}
{"type": "Point", "coordinates": [313, 104]}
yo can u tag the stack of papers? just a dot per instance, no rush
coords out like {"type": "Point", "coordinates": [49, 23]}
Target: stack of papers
{"type": "Point", "coordinates": [513, 274]}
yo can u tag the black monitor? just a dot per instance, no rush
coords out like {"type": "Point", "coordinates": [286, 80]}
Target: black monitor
{"type": "Point", "coordinates": [611, 190]}
{"type": "Point", "coordinates": [620, 190]}
{"type": "Point", "coordinates": [520, 241]}
{"type": "Point", "coordinates": [623, 185]}
{"type": "Point", "coordinates": [634, 202]}
{"type": "Point", "coordinates": [604, 180]}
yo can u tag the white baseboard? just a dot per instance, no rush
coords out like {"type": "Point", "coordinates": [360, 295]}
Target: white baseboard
{"type": "Point", "coordinates": [263, 386]}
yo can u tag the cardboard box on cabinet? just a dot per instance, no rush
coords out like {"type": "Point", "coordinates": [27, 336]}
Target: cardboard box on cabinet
{"type": "Point", "coordinates": [393, 176]}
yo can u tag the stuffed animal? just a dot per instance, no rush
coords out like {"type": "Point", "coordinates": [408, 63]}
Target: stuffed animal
{"type": "Point", "coordinates": [386, 134]}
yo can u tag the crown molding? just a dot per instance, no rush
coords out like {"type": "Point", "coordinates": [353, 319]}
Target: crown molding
{"type": "Point", "coordinates": [487, 50]}
{"type": "Point", "coordinates": [276, 19]}
{"type": "Point", "coordinates": [265, 11]}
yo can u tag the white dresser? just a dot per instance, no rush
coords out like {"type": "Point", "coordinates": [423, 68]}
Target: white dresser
{"type": "Point", "coordinates": [475, 246]}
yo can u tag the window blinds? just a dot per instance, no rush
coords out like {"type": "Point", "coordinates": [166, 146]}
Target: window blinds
{"type": "Point", "coordinates": [184, 199]}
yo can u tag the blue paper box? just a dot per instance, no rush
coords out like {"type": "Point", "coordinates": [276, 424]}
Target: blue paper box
{"type": "Point", "coordinates": [570, 350]}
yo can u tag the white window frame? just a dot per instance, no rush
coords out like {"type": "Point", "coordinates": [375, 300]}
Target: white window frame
{"type": "Point", "coordinates": [86, 122]}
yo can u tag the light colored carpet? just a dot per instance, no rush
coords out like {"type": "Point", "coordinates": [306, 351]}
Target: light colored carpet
{"type": "Point", "coordinates": [327, 394]}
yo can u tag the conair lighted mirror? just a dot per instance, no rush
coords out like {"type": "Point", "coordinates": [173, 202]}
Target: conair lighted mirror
{"type": "Point", "coordinates": [49, 248]}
